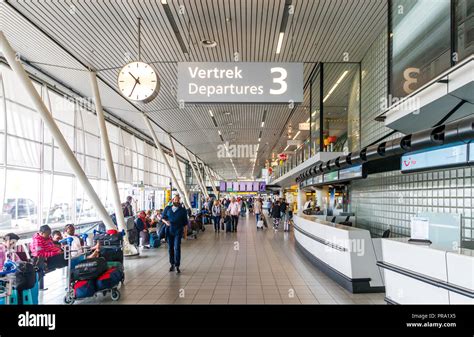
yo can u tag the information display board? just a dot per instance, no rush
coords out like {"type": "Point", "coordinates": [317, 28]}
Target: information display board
{"type": "Point", "coordinates": [331, 176]}
{"type": "Point", "coordinates": [242, 186]}
{"type": "Point", "coordinates": [447, 156]}
{"type": "Point", "coordinates": [350, 173]}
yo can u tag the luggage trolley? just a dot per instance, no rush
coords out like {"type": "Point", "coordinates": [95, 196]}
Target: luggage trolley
{"type": "Point", "coordinates": [70, 296]}
{"type": "Point", "coordinates": [7, 280]}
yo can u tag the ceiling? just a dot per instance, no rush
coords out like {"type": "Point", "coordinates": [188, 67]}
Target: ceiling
{"type": "Point", "coordinates": [63, 38]}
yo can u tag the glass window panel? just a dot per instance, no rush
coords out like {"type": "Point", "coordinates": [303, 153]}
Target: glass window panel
{"type": "Point", "coordinates": [465, 27]}
{"type": "Point", "coordinates": [421, 33]}
{"type": "Point", "coordinates": [90, 122]}
{"type": "Point", "coordinates": [12, 91]}
{"type": "Point", "coordinates": [23, 122]}
{"type": "Point", "coordinates": [62, 108]}
{"type": "Point", "coordinates": [340, 85]}
{"type": "Point", "coordinates": [60, 163]}
{"type": "Point", "coordinates": [23, 153]}
{"type": "Point", "coordinates": [85, 211]}
{"type": "Point", "coordinates": [113, 132]}
{"type": "Point", "coordinates": [58, 206]}
{"type": "Point", "coordinates": [20, 206]}
{"type": "Point", "coordinates": [93, 145]}
{"type": "Point", "coordinates": [68, 134]}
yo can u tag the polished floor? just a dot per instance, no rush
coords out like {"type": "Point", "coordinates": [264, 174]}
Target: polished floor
{"type": "Point", "coordinates": [247, 267]}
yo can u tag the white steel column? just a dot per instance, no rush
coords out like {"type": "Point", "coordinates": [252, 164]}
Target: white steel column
{"type": "Point", "coordinates": [185, 190]}
{"type": "Point", "coordinates": [104, 138]}
{"type": "Point", "coordinates": [203, 182]}
{"type": "Point", "coordinates": [195, 173]}
{"type": "Point", "coordinates": [49, 121]}
{"type": "Point", "coordinates": [207, 170]}
{"type": "Point", "coordinates": [160, 150]}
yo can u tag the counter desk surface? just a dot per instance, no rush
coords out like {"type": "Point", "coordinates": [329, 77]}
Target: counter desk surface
{"type": "Point", "coordinates": [346, 254]}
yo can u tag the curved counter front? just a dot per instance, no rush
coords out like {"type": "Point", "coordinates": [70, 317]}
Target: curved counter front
{"type": "Point", "coordinates": [346, 254]}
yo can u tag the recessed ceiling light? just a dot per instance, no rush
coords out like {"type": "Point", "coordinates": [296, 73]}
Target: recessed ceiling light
{"type": "Point", "coordinates": [230, 124]}
{"type": "Point", "coordinates": [208, 43]}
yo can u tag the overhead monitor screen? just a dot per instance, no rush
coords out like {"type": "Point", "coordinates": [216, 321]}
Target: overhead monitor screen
{"type": "Point", "coordinates": [440, 157]}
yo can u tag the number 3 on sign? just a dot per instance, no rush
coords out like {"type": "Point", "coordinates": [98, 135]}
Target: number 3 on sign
{"type": "Point", "coordinates": [280, 80]}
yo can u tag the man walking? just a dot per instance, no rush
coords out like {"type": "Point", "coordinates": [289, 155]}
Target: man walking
{"type": "Point", "coordinates": [175, 218]}
{"type": "Point", "coordinates": [234, 210]}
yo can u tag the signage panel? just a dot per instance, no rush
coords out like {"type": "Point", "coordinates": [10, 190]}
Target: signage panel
{"type": "Point", "coordinates": [242, 186]}
{"type": "Point", "coordinates": [471, 152]}
{"type": "Point", "coordinates": [350, 173]}
{"type": "Point", "coordinates": [439, 157]}
{"type": "Point", "coordinates": [262, 186]}
{"type": "Point", "coordinates": [304, 126]}
{"type": "Point", "coordinates": [235, 186]}
{"type": "Point", "coordinates": [291, 142]}
{"type": "Point", "coordinates": [256, 186]}
{"type": "Point", "coordinates": [318, 179]}
{"type": "Point", "coordinates": [331, 176]}
{"type": "Point", "coordinates": [222, 186]}
{"type": "Point", "coordinates": [237, 82]}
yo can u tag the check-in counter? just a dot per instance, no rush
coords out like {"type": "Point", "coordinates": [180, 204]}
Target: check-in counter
{"type": "Point", "coordinates": [426, 274]}
{"type": "Point", "coordinates": [346, 254]}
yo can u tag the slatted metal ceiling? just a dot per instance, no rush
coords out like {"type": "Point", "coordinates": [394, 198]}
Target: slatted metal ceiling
{"type": "Point", "coordinates": [104, 35]}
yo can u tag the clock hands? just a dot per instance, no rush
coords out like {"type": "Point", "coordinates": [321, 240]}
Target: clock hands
{"type": "Point", "coordinates": [133, 88]}
{"type": "Point", "coordinates": [137, 80]}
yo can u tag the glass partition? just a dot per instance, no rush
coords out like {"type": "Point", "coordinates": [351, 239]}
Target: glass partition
{"type": "Point", "coordinates": [464, 28]}
{"type": "Point", "coordinates": [420, 43]}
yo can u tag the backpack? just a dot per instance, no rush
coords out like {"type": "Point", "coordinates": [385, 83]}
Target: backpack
{"type": "Point", "coordinates": [90, 269]}
{"type": "Point", "coordinates": [126, 209]}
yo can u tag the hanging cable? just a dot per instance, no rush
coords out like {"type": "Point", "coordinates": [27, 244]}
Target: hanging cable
{"type": "Point", "coordinates": [139, 37]}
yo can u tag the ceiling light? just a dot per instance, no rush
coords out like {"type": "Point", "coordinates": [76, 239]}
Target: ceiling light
{"type": "Point", "coordinates": [259, 140]}
{"type": "Point", "coordinates": [263, 123]}
{"type": "Point", "coordinates": [208, 43]}
{"type": "Point", "coordinates": [210, 112]}
{"type": "Point", "coordinates": [280, 41]}
{"type": "Point", "coordinates": [219, 132]}
{"type": "Point", "coordinates": [164, 2]}
{"type": "Point", "coordinates": [335, 85]}
{"type": "Point", "coordinates": [286, 147]}
{"type": "Point", "coordinates": [296, 135]}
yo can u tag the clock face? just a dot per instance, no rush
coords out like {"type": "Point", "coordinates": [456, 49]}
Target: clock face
{"type": "Point", "coordinates": [138, 81]}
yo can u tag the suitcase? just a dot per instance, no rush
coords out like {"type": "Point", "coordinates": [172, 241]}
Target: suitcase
{"type": "Point", "coordinates": [111, 278]}
{"type": "Point", "coordinates": [286, 226]}
{"type": "Point", "coordinates": [84, 288]}
{"type": "Point", "coordinates": [260, 224]}
{"type": "Point", "coordinates": [264, 221]}
{"type": "Point", "coordinates": [228, 226]}
{"type": "Point", "coordinates": [154, 240]}
{"type": "Point", "coordinates": [90, 269]}
{"type": "Point", "coordinates": [105, 239]}
{"type": "Point", "coordinates": [144, 238]}
{"type": "Point", "coordinates": [25, 276]}
{"type": "Point", "coordinates": [112, 253]}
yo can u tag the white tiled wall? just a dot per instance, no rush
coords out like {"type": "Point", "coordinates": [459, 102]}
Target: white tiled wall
{"type": "Point", "coordinates": [389, 200]}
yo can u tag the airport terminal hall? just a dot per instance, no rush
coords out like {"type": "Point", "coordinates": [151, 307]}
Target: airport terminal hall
{"type": "Point", "coordinates": [237, 155]}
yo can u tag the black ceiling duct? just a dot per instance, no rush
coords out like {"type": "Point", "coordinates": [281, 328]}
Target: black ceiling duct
{"type": "Point", "coordinates": [394, 147]}
{"type": "Point", "coordinates": [466, 130]}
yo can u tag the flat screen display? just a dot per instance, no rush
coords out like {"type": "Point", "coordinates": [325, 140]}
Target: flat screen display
{"type": "Point", "coordinates": [350, 173]}
{"type": "Point", "coordinates": [256, 186]}
{"type": "Point", "coordinates": [471, 152]}
{"type": "Point", "coordinates": [242, 186]}
{"type": "Point", "coordinates": [318, 179]}
{"type": "Point", "coordinates": [235, 187]}
{"type": "Point", "coordinates": [262, 186]}
{"type": "Point", "coordinates": [439, 157]}
{"type": "Point", "coordinates": [331, 176]}
{"type": "Point", "coordinates": [222, 186]}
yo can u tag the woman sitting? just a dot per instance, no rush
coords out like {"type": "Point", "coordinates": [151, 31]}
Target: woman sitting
{"type": "Point", "coordinates": [76, 244]}
{"type": "Point", "coordinates": [9, 250]}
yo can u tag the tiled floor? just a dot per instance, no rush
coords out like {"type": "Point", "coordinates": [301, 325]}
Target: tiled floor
{"type": "Point", "coordinates": [247, 267]}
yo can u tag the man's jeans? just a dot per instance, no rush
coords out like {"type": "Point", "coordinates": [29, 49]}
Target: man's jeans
{"type": "Point", "coordinates": [173, 237]}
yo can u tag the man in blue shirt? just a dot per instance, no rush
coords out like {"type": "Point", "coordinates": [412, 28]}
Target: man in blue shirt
{"type": "Point", "coordinates": [175, 217]}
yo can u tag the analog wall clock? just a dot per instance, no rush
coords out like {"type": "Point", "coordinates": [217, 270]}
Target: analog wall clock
{"type": "Point", "coordinates": [138, 81]}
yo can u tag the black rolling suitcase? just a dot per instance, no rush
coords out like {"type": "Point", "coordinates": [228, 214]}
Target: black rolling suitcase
{"type": "Point", "coordinates": [228, 224]}
{"type": "Point", "coordinates": [89, 269]}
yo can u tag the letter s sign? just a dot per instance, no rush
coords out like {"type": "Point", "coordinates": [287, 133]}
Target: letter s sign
{"type": "Point", "coordinates": [280, 80]}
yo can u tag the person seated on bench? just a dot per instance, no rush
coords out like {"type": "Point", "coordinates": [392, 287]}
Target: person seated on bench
{"type": "Point", "coordinates": [76, 244]}
{"type": "Point", "coordinates": [57, 236]}
{"type": "Point", "coordinates": [9, 250]}
{"type": "Point", "coordinates": [43, 247]}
